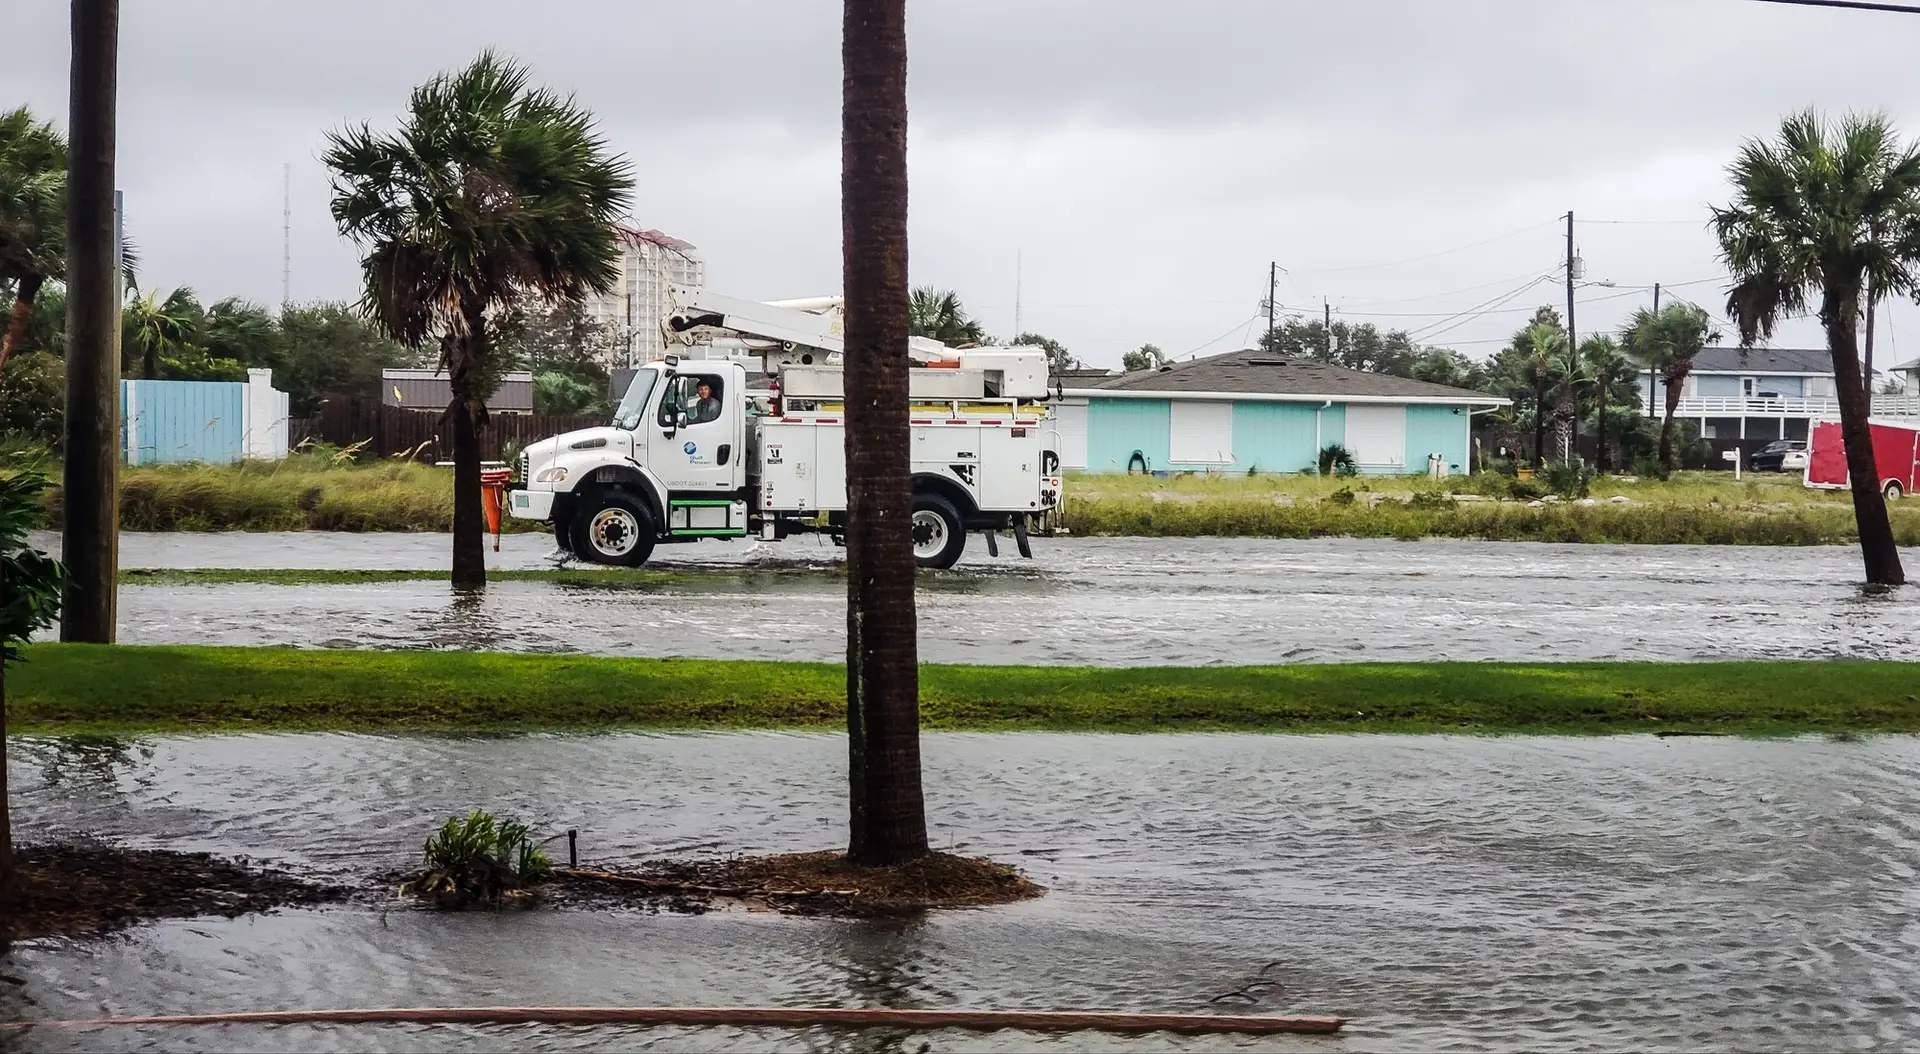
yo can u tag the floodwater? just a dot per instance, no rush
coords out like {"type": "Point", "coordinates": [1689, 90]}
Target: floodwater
{"type": "Point", "coordinates": [1442, 892]}
{"type": "Point", "coordinates": [1105, 601]}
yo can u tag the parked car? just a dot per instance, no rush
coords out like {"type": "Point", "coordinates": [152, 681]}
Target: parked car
{"type": "Point", "coordinates": [1781, 455]}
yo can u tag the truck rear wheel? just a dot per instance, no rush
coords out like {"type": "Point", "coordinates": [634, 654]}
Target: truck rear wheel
{"type": "Point", "coordinates": [938, 537]}
{"type": "Point", "coordinates": [613, 529]}
{"type": "Point", "coordinates": [1892, 490]}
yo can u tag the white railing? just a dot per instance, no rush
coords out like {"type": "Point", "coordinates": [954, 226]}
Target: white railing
{"type": "Point", "coordinates": [1785, 406]}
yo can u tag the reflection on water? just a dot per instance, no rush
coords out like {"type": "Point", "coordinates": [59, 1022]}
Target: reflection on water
{"type": "Point", "coordinates": [1521, 893]}
{"type": "Point", "coordinates": [1120, 601]}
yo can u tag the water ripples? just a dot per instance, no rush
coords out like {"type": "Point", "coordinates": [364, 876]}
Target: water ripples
{"type": "Point", "coordinates": [1444, 892]}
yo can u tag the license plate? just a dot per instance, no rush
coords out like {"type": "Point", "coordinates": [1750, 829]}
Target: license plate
{"type": "Point", "coordinates": [521, 501]}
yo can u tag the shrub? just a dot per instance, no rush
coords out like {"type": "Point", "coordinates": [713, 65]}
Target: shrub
{"type": "Point", "coordinates": [33, 398]}
{"type": "Point", "coordinates": [1343, 496]}
{"type": "Point", "coordinates": [1569, 479]}
{"type": "Point", "coordinates": [1336, 460]}
{"type": "Point", "coordinates": [478, 861]}
{"type": "Point", "coordinates": [1429, 499]}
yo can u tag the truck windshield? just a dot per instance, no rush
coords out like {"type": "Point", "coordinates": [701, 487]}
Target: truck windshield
{"type": "Point", "coordinates": [633, 406]}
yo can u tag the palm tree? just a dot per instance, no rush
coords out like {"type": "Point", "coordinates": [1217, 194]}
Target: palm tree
{"type": "Point", "coordinates": [156, 327]}
{"type": "Point", "coordinates": [887, 813]}
{"type": "Point", "coordinates": [492, 193]}
{"type": "Point", "coordinates": [33, 215]}
{"type": "Point", "coordinates": [1543, 342]}
{"type": "Point", "coordinates": [1571, 373]}
{"type": "Point", "coordinates": [1830, 209]}
{"type": "Point", "coordinates": [1606, 365]}
{"type": "Point", "coordinates": [937, 313]}
{"type": "Point", "coordinates": [1666, 342]}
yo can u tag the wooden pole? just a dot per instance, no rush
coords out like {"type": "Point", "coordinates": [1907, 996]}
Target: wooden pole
{"type": "Point", "coordinates": [91, 540]}
{"type": "Point", "coordinates": [744, 1017]}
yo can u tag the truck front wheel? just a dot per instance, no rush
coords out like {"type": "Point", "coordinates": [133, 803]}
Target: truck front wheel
{"type": "Point", "coordinates": [613, 529]}
{"type": "Point", "coordinates": [938, 537]}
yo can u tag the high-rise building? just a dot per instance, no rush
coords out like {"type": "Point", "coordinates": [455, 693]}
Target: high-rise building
{"type": "Point", "coordinates": [650, 262]}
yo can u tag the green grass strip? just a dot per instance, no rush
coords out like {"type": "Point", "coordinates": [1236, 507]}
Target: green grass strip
{"type": "Point", "coordinates": [123, 689]}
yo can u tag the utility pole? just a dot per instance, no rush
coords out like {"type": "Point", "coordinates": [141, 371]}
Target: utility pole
{"type": "Point", "coordinates": [1573, 340]}
{"type": "Point", "coordinates": [1273, 292]}
{"type": "Point", "coordinates": [1653, 376]}
{"type": "Point", "coordinates": [286, 238]}
{"type": "Point", "coordinates": [1326, 325]}
{"type": "Point", "coordinates": [90, 542]}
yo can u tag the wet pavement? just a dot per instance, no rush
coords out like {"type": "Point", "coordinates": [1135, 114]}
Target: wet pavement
{"type": "Point", "coordinates": [1118, 601]}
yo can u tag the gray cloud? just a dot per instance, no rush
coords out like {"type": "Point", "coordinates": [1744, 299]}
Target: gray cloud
{"type": "Point", "coordinates": [1145, 160]}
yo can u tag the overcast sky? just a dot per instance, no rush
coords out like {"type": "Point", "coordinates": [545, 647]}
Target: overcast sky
{"type": "Point", "coordinates": [1406, 159]}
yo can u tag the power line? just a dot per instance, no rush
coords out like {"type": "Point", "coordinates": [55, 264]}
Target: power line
{"type": "Point", "coordinates": [1237, 325]}
{"type": "Point", "coordinates": [1432, 255]}
{"type": "Point", "coordinates": [1858, 5]}
{"type": "Point", "coordinates": [1426, 332]}
{"type": "Point", "coordinates": [1451, 292]}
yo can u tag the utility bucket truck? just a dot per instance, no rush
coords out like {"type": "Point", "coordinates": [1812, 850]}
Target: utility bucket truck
{"type": "Point", "coordinates": [692, 453]}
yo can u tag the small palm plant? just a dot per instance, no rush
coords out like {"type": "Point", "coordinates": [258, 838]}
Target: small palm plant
{"type": "Point", "coordinates": [479, 861]}
{"type": "Point", "coordinates": [1336, 460]}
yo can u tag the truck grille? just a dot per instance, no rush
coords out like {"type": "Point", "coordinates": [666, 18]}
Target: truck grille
{"type": "Point", "coordinates": [523, 469]}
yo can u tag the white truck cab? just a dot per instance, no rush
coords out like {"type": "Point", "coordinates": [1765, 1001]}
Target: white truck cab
{"type": "Point", "coordinates": [691, 453]}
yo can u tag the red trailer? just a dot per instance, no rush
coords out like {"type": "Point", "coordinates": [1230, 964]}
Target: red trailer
{"type": "Point", "coordinates": [1896, 455]}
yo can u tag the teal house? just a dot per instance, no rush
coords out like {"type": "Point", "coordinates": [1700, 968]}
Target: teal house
{"type": "Point", "coordinates": [1252, 411]}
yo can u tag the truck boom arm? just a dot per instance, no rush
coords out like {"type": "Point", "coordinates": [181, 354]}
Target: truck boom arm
{"type": "Point", "coordinates": [694, 308]}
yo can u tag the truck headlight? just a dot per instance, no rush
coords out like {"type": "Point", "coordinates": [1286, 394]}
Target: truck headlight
{"type": "Point", "coordinates": [551, 475]}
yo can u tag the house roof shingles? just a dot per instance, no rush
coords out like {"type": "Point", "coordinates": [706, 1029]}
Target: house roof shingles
{"type": "Point", "coordinates": [1254, 372]}
{"type": "Point", "coordinates": [1764, 360]}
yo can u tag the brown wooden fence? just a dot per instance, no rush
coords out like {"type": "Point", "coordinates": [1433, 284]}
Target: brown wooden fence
{"type": "Point", "coordinates": [391, 430]}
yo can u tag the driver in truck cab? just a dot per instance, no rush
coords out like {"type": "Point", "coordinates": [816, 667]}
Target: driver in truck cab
{"type": "Point", "coordinates": [706, 407]}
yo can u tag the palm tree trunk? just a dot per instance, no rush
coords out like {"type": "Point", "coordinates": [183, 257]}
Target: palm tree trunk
{"type": "Point", "coordinates": [17, 320]}
{"type": "Point", "coordinates": [1600, 420]}
{"type": "Point", "coordinates": [150, 361]}
{"type": "Point", "coordinates": [1565, 413]}
{"type": "Point", "coordinates": [1539, 418]}
{"type": "Point", "coordinates": [1877, 548]}
{"type": "Point", "coordinates": [469, 519]}
{"type": "Point", "coordinates": [1666, 426]}
{"type": "Point", "coordinates": [887, 813]}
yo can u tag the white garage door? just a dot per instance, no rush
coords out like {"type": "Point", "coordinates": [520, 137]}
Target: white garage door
{"type": "Point", "coordinates": [1070, 421]}
{"type": "Point", "coordinates": [1202, 433]}
{"type": "Point", "coordinates": [1377, 435]}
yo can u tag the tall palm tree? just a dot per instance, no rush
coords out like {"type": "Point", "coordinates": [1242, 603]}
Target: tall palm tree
{"type": "Point", "coordinates": [887, 813]}
{"type": "Point", "coordinates": [33, 215]}
{"type": "Point", "coordinates": [937, 313]}
{"type": "Point", "coordinates": [1543, 343]}
{"type": "Point", "coordinates": [492, 193]}
{"type": "Point", "coordinates": [1828, 208]}
{"type": "Point", "coordinates": [1666, 342]}
{"type": "Point", "coordinates": [156, 327]}
{"type": "Point", "coordinates": [1606, 365]}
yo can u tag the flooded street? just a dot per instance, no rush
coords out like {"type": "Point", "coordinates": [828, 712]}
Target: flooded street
{"type": "Point", "coordinates": [1105, 601]}
{"type": "Point", "coordinates": [1607, 894]}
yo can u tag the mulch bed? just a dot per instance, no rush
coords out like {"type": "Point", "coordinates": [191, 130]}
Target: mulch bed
{"type": "Point", "coordinates": [822, 883]}
{"type": "Point", "coordinates": [87, 889]}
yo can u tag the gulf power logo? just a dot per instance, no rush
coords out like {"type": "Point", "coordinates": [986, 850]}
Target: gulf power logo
{"type": "Point", "coordinates": [690, 448]}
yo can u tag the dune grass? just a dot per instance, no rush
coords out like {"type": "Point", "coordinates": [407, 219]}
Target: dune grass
{"type": "Point", "coordinates": [1650, 524]}
{"type": "Point", "coordinates": [73, 688]}
{"type": "Point", "coordinates": [310, 492]}
{"type": "Point", "coordinates": [304, 492]}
